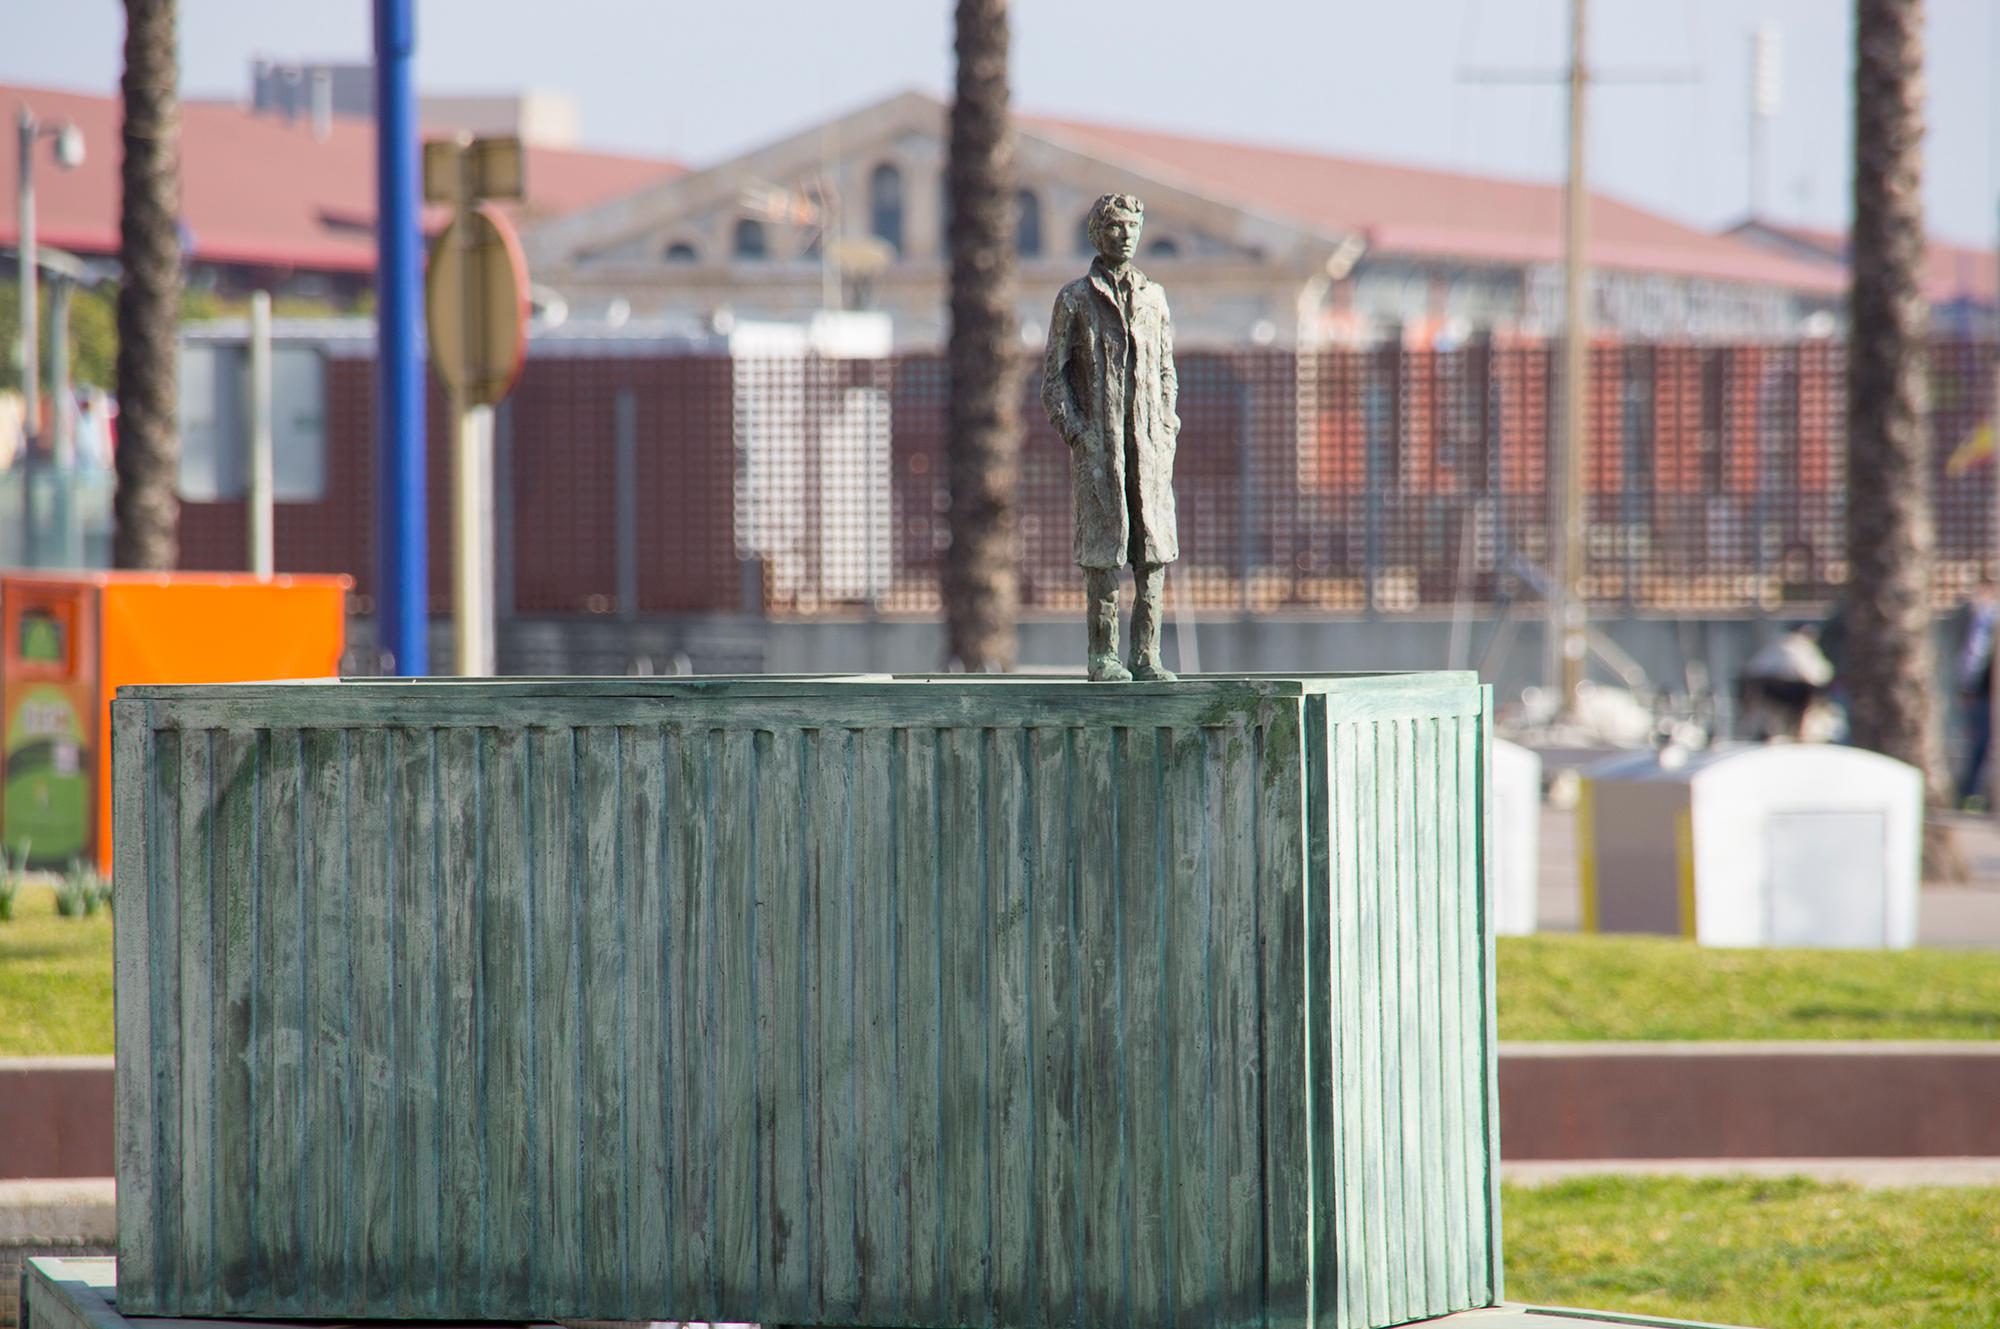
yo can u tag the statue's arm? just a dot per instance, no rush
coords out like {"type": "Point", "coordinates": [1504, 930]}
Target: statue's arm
{"type": "Point", "coordinates": [1170, 380]}
{"type": "Point", "coordinates": [1057, 399]}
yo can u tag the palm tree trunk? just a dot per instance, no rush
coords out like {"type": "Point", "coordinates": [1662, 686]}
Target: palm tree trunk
{"type": "Point", "coordinates": [1891, 673]}
{"type": "Point", "coordinates": [148, 504]}
{"type": "Point", "coordinates": [983, 444]}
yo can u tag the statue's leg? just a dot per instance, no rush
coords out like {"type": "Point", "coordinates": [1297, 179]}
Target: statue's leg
{"type": "Point", "coordinates": [1100, 586]}
{"type": "Point", "coordinates": [1152, 579]}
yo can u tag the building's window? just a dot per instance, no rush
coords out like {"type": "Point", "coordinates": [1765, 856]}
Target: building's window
{"type": "Point", "coordinates": [1027, 224]}
{"type": "Point", "coordinates": [680, 251]}
{"type": "Point", "coordinates": [749, 239]}
{"type": "Point", "coordinates": [1164, 247]}
{"type": "Point", "coordinates": [885, 206]}
{"type": "Point", "coordinates": [1083, 243]}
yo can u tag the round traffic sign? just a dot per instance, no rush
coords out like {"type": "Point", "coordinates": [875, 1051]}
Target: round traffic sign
{"type": "Point", "coordinates": [476, 305]}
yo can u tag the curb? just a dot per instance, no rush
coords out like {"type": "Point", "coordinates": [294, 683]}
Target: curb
{"type": "Point", "coordinates": [1563, 1101]}
{"type": "Point", "coordinates": [66, 1212]}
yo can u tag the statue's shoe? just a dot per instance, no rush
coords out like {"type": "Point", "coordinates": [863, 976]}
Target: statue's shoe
{"type": "Point", "coordinates": [1149, 670]}
{"type": "Point", "coordinates": [1106, 669]}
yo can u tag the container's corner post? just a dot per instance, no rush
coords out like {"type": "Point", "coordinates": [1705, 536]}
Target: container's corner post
{"type": "Point", "coordinates": [1489, 943]}
{"type": "Point", "coordinates": [132, 1104]}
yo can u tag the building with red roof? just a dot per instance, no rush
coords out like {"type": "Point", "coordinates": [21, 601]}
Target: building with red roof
{"type": "Point", "coordinates": [1256, 244]}
{"type": "Point", "coordinates": [267, 201]}
{"type": "Point", "coordinates": [1961, 282]}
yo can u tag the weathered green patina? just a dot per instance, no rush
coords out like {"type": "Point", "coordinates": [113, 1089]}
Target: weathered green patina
{"type": "Point", "coordinates": [967, 1001]}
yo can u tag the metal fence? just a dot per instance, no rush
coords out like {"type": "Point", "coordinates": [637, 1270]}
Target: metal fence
{"type": "Point", "coordinates": [1349, 481]}
{"type": "Point", "coordinates": [1392, 480]}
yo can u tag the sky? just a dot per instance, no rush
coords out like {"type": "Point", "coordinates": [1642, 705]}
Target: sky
{"type": "Point", "coordinates": [698, 80]}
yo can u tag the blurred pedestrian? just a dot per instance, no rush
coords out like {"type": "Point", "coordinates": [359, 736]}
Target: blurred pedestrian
{"type": "Point", "coordinates": [1783, 691]}
{"type": "Point", "coordinates": [13, 428]}
{"type": "Point", "coordinates": [1974, 676]}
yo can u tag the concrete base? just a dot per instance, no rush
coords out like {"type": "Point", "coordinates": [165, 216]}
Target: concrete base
{"type": "Point", "coordinates": [67, 1218]}
{"type": "Point", "coordinates": [82, 1294]}
{"type": "Point", "coordinates": [65, 1213]}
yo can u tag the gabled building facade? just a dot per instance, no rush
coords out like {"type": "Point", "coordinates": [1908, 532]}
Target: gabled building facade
{"type": "Point", "coordinates": [1257, 246]}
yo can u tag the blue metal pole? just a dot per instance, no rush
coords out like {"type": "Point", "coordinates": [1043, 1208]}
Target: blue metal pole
{"type": "Point", "coordinates": [402, 591]}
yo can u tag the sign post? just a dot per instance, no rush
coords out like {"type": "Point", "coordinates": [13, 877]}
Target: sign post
{"type": "Point", "coordinates": [477, 303]}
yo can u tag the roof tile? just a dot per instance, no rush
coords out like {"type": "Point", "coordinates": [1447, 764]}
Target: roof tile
{"type": "Point", "coordinates": [256, 189]}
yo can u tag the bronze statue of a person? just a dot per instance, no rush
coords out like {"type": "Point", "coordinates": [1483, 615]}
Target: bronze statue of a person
{"type": "Point", "coordinates": [1108, 385]}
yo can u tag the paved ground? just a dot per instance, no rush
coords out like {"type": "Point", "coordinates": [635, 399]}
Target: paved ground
{"type": "Point", "coordinates": [1967, 915]}
{"type": "Point", "coordinates": [1870, 1172]}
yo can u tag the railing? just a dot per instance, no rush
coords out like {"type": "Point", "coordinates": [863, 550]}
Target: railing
{"type": "Point", "coordinates": [1387, 481]}
{"type": "Point", "coordinates": [1378, 481]}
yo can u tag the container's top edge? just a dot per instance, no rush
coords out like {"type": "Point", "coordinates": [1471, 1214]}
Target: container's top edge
{"type": "Point", "coordinates": [810, 685]}
{"type": "Point", "coordinates": [117, 577]}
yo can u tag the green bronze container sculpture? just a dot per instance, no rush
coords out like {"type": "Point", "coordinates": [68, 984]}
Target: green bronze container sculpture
{"type": "Point", "coordinates": [968, 1001]}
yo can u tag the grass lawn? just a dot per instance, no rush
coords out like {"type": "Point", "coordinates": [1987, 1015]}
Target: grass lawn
{"type": "Point", "coordinates": [1559, 987]}
{"type": "Point", "coordinates": [55, 979]}
{"type": "Point", "coordinates": [55, 988]}
{"type": "Point", "coordinates": [1778, 1254]}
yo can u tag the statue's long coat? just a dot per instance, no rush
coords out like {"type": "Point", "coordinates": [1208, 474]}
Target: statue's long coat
{"type": "Point", "coordinates": [1084, 389]}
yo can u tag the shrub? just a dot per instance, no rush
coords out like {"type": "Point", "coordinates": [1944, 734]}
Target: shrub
{"type": "Point", "coordinates": [10, 880]}
{"type": "Point", "coordinates": [82, 890]}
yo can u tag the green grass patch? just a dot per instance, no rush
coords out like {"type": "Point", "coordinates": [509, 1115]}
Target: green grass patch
{"type": "Point", "coordinates": [1778, 1254]}
{"type": "Point", "coordinates": [55, 979]}
{"type": "Point", "coordinates": [1560, 988]}
{"type": "Point", "coordinates": [55, 988]}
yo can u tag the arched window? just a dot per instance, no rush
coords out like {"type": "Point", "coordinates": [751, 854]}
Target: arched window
{"type": "Point", "coordinates": [885, 205]}
{"type": "Point", "coordinates": [1027, 224]}
{"type": "Point", "coordinates": [680, 251]}
{"type": "Point", "coordinates": [1083, 243]}
{"type": "Point", "coordinates": [748, 241]}
{"type": "Point", "coordinates": [1164, 247]}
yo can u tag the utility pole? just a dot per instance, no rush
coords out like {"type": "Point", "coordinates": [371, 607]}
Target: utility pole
{"type": "Point", "coordinates": [1568, 623]}
{"type": "Point", "coordinates": [1566, 627]}
{"type": "Point", "coordinates": [476, 305]}
{"type": "Point", "coordinates": [69, 155]}
{"type": "Point", "coordinates": [31, 332]}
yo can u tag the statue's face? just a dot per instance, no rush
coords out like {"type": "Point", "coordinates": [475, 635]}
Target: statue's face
{"type": "Point", "coordinates": [1118, 237]}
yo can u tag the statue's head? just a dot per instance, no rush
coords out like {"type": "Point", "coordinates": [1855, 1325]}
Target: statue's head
{"type": "Point", "coordinates": [1114, 226]}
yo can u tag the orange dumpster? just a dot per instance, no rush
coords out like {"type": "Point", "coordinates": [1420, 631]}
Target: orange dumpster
{"type": "Point", "coordinates": [72, 639]}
